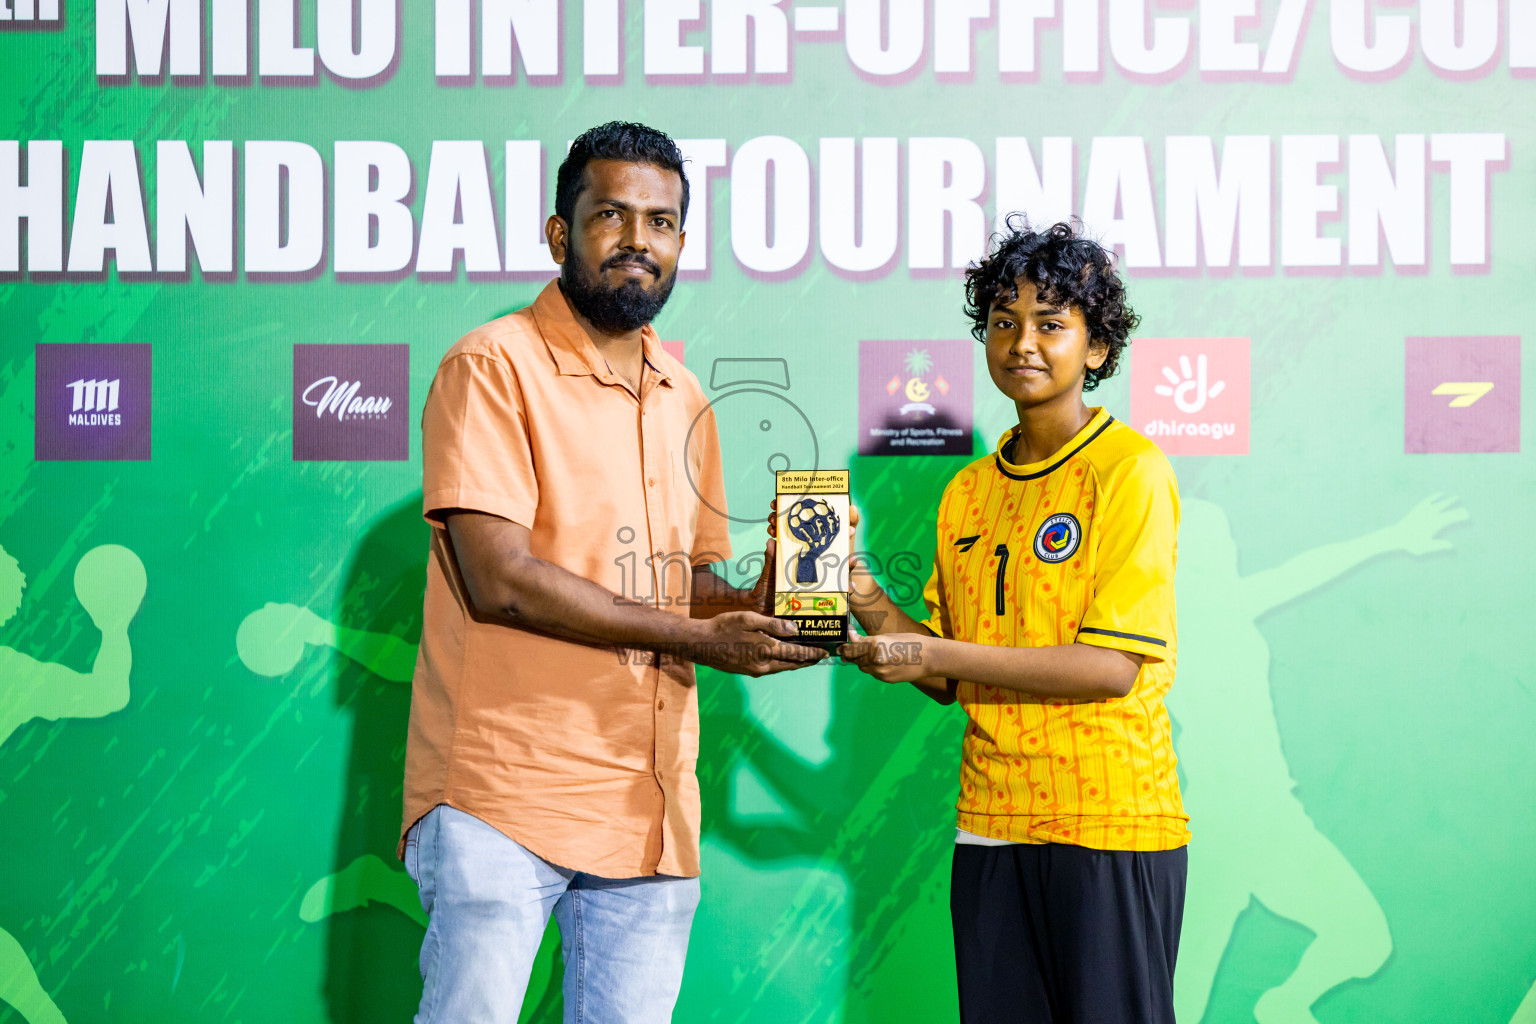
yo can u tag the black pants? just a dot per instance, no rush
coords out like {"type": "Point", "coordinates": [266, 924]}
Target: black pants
{"type": "Point", "coordinates": [1057, 934]}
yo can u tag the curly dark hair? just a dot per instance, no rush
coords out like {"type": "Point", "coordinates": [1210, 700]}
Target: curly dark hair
{"type": "Point", "coordinates": [616, 140]}
{"type": "Point", "coordinates": [1067, 269]}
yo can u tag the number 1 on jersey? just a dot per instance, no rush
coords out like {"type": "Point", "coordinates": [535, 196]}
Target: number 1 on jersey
{"type": "Point", "coordinates": [1002, 570]}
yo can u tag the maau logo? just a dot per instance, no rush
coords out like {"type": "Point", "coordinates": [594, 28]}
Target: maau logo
{"type": "Point", "coordinates": [340, 399]}
{"type": "Point", "coordinates": [345, 399]}
{"type": "Point", "coordinates": [1190, 395]}
{"type": "Point", "coordinates": [92, 402]}
{"type": "Point", "coordinates": [1463, 395]}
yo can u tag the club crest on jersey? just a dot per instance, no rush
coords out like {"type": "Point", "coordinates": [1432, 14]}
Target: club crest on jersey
{"type": "Point", "coordinates": [1058, 538]}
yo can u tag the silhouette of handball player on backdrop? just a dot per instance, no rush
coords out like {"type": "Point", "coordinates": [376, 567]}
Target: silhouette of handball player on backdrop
{"type": "Point", "coordinates": [109, 584]}
{"type": "Point", "coordinates": [1255, 838]}
{"type": "Point", "coordinates": [270, 641]}
{"type": "Point", "coordinates": [374, 627]}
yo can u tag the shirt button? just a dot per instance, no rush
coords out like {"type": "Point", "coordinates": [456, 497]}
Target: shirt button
{"type": "Point", "coordinates": [661, 705]}
{"type": "Point", "coordinates": [652, 481]}
{"type": "Point", "coordinates": [658, 775]}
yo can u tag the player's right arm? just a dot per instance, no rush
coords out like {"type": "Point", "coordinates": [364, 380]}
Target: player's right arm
{"type": "Point", "coordinates": [876, 613]}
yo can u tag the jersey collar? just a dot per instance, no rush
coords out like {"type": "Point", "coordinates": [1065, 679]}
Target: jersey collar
{"type": "Point", "coordinates": [1096, 425]}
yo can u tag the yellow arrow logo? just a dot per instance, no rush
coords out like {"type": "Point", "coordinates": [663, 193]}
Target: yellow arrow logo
{"type": "Point", "coordinates": [1466, 392]}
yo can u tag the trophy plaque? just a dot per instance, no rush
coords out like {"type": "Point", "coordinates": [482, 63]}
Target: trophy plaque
{"type": "Point", "coordinates": [811, 524]}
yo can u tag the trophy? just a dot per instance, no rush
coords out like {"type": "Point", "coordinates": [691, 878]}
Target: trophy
{"type": "Point", "coordinates": [811, 524]}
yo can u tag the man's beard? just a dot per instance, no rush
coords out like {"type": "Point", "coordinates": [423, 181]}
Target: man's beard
{"type": "Point", "coordinates": [614, 310]}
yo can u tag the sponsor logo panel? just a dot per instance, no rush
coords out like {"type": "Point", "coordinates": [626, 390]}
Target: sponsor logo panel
{"type": "Point", "coordinates": [1462, 395]}
{"type": "Point", "coordinates": [1191, 395]}
{"type": "Point", "coordinates": [351, 402]}
{"type": "Point", "coordinates": [92, 402]}
{"type": "Point", "coordinates": [915, 397]}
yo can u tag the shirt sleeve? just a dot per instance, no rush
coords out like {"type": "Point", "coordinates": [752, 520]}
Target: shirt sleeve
{"type": "Point", "coordinates": [475, 450]}
{"type": "Point", "coordinates": [1132, 608]}
{"type": "Point", "coordinates": [712, 528]}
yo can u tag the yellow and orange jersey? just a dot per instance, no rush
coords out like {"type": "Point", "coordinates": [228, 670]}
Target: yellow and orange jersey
{"type": "Point", "coordinates": [1079, 548]}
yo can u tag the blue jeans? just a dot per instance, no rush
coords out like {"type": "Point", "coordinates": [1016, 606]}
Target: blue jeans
{"type": "Point", "coordinates": [488, 900]}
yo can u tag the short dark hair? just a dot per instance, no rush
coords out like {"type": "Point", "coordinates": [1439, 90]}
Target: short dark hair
{"type": "Point", "coordinates": [616, 140]}
{"type": "Point", "coordinates": [1067, 269]}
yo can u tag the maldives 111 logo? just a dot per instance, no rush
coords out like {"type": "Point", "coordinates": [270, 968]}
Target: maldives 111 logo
{"type": "Point", "coordinates": [1190, 395]}
{"type": "Point", "coordinates": [93, 402]}
{"type": "Point", "coordinates": [351, 402]}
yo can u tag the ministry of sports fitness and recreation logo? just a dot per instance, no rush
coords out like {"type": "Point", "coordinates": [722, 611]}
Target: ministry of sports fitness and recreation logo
{"type": "Point", "coordinates": [915, 397]}
{"type": "Point", "coordinates": [351, 402]}
{"type": "Point", "coordinates": [1462, 395]}
{"type": "Point", "coordinates": [1058, 538]}
{"type": "Point", "coordinates": [1190, 395]}
{"type": "Point", "coordinates": [93, 402]}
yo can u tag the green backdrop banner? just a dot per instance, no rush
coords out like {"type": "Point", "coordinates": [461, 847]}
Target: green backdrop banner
{"type": "Point", "coordinates": [236, 237]}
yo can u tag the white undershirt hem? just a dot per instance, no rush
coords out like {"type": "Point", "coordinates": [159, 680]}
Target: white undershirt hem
{"type": "Point", "coordinates": [964, 838]}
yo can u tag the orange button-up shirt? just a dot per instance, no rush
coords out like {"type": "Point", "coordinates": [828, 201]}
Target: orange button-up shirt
{"type": "Point", "coordinates": [583, 754]}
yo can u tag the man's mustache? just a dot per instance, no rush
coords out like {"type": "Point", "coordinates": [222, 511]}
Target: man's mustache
{"type": "Point", "coordinates": [637, 260]}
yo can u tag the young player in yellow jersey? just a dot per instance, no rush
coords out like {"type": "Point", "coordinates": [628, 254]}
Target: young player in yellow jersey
{"type": "Point", "coordinates": [1050, 617]}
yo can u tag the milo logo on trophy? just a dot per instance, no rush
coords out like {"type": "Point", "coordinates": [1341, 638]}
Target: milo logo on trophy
{"type": "Point", "coordinates": [812, 528]}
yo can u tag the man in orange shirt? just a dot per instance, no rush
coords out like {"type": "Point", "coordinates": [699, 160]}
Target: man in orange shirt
{"type": "Point", "coordinates": [572, 477]}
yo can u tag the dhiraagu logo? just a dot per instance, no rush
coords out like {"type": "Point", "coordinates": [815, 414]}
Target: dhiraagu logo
{"type": "Point", "coordinates": [1190, 395]}
{"type": "Point", "coordinates": [1189, 388]}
